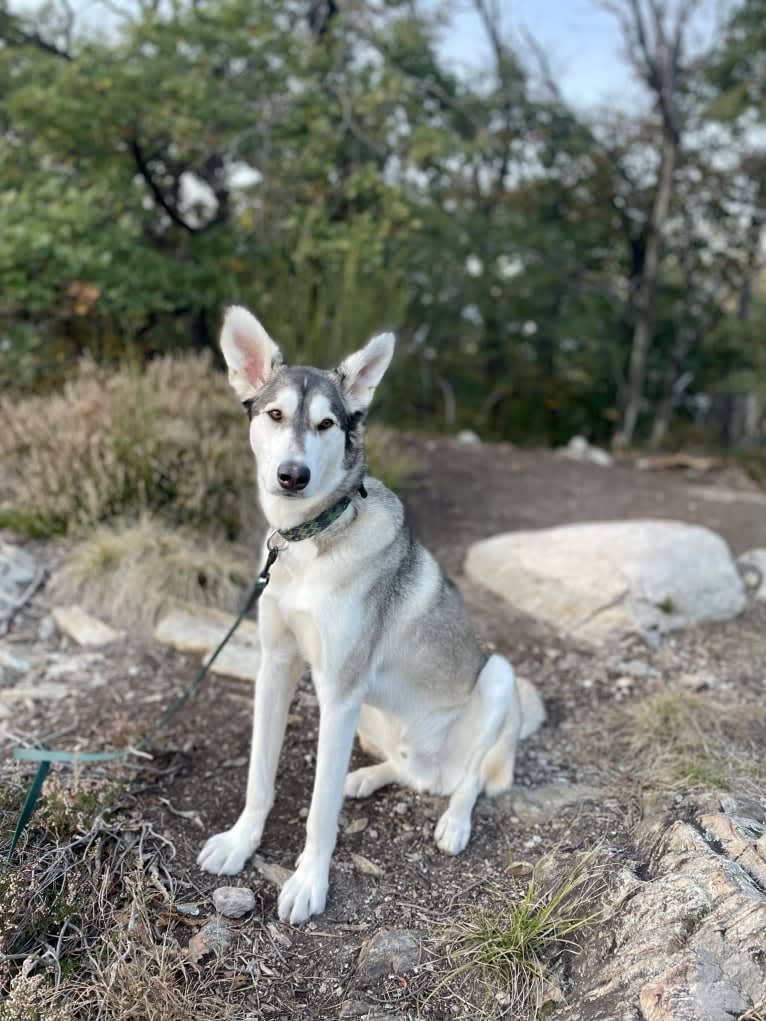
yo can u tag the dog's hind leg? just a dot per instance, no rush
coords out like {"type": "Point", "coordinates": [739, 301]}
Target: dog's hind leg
{"type": "Point", "coordinates": [492, 726]}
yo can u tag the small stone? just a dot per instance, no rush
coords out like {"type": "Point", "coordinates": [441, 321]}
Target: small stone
{"type": "Point", "coordinates": [213, 937]}
{"type": "Point", "coordinates": [276, 874]}
{"type": "Point", "coordinates": [82, 627]}
{"type": "Point", "coordinates": [9, 661]}
{"type": "Point", "coordinates": [233, 901]}
{"type": "Point", "coordinates": [356, 826]}
{"type": "Point", "coordinates": [468, 438]}
{"type": "Point", "coordinates": [387, 951]}
{"type": "Point", "coordinates": [401, 808]}
{"type": "Point", "coordinates": [624, 683]}
{"type": "Point", "coordinates": [369, 868]}
{"type": "Point", "coordinates": [188, 908]}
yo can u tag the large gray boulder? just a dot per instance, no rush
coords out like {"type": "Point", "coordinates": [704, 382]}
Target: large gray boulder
{"type": "Point", "coordinates": [602, 579]}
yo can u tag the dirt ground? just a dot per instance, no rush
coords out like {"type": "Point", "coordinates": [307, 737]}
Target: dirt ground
{"type": "Point", "coordinates": [195, 785]}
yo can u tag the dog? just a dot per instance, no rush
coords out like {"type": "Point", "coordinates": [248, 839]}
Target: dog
{"type": "Point", "coordinates": [392, 653]}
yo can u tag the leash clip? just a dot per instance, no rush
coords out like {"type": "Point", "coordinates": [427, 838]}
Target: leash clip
{"type": "Point", "coordinates": [271, 546]}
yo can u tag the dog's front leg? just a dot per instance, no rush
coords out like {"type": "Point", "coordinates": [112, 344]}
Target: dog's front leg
{"type": "Point", "coordinates": [281, 666]}
{"type": "Point", "coordinates": [305, 892]}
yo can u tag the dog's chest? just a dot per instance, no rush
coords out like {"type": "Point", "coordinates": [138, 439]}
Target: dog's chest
{"type": "Point", "coordinates": [309, 601]}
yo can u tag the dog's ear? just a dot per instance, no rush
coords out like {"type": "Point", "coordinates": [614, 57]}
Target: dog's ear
{"type": "Point", "coordinates": [360, 373]}
{"type": "Point", "coordinates": [250, 353]}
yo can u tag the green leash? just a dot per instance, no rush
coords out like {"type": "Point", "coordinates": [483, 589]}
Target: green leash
{"type": "Point", "coordinates": [45, 756]}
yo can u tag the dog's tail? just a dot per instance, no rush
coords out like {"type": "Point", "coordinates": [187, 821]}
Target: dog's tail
{"type": "Point", "coordinates": [532, 708]}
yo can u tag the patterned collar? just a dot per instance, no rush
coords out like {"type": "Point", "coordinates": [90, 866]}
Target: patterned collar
{"type": "Point", "coordinates": [318, 524]}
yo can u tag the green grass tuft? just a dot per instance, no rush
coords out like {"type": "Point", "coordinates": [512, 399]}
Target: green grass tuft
{"type": "Point", "coordinates": [502, 956]}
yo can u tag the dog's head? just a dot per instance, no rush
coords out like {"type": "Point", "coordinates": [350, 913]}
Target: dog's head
{"type": "Point", "coordinates": [306, 424]}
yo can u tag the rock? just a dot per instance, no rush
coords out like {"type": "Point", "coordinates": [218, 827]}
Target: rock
{"type": "Point", "coordinates": [238, 660]}
{"type": "Point", "coordinates": [753, 567]}
{"type": "Point", "coordinates": [369, 868]}
{"type": "Point", "coordinates": [11, 662]}
{"type": "Point", "coordinates": [741, 840]}
{"type": "Point", "coordinates": [233, 901]}
{"type": "Point", "coordinates": [82, 627]}
{"type": "Point", "coordinates": [356, 826]}
{"type": "Point", "coordinates": [19, 574]}
{"type": "Point", "coordinates": [541, 803]}
{"type": "Point", "coordinates": [188, 908]}
{"type": "Point", "coordinates": [199, 629]}
{"type": "Point", "coordinates": [682, 943]}
{"type": "Point", "coordinates": [213, 938]}
{"type": "Point", "coordinates": [468, 438]}
{"type": "Point", "coordinates": [578, 449]}
{"type": "Point", "coordinates": [276, 874]}
{"type": "Point", "coordinates": [601, 580]}
{"type": "Point", "coordinates": [80, 669]}
{"type": "Point", "coordinates": [387, 951]}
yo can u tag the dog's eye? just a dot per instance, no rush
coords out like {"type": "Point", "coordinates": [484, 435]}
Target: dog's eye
{"type": "Point", "coordinates": [326, 423]}
{"type": "Point", "coordinates": [275, 414]}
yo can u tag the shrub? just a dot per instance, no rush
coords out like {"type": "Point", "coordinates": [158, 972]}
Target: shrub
{"type": "Point", "coordinates": [169, 440]}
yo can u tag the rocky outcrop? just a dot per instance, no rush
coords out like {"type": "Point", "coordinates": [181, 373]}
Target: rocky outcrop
{"type": "Point", "coordinates": [683, 936]}
{"type": "Point", "coordinates": [603, 579]}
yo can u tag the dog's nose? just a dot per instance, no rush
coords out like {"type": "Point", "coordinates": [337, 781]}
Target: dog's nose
{"type": "Point", "coordinates": [293, 476]}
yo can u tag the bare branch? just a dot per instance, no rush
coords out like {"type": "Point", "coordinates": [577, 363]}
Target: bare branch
{"type": "Point", "coordinates": [13, 33]}
{"type": "Point", "coordinates": [142, 165]}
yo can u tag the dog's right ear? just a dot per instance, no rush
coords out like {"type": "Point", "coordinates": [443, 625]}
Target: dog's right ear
{"type": "Point", "coordinates": [250, 353]}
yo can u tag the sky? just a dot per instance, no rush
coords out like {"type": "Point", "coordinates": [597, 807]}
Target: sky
{"type": "Point", "coordinates": [582, 42]}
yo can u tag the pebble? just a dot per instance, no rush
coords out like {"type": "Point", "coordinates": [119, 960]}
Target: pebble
{"type": "Point", "coordinates": [387, 951]}
{"type": "Point", "coordinates": [356, 826]}
{"type": "Point", "coordinates": [233, 901]}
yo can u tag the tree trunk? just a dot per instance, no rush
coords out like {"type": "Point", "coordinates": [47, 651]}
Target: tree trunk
{"type": "Point", "coordinates": [647, 289]}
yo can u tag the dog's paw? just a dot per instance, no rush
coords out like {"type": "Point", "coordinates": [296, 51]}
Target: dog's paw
{"type": "Point", "coordinates": [226, 853]}
{"type": "Point", "coordinates": [365, 781]}
{"type": "Point", "coordinates": [452, 833]}
{"type": "Point", "coordinates": [304, 894]}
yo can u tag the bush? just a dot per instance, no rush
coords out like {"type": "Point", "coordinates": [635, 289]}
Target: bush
{"type": "Point", "coordinates": [170, 441]}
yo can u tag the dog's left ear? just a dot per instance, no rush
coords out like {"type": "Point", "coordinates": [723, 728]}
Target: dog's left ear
{"type": "Point", "coordinates": [361, 372]}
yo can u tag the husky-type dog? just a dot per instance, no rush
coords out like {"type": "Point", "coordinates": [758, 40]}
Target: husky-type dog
{"type": "Point", "coordinates": [388, 640]}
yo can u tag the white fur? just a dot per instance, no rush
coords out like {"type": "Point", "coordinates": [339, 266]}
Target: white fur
{"type": "Point", "coordinates": [430, 738]}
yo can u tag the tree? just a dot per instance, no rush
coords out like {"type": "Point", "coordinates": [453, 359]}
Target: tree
{"type": "Point", "coordinates": [656, 42]}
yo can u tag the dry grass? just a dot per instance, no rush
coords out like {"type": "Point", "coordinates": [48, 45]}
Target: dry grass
{"type": "Point", "coordinates": [131, 573]}
{"type": "Point", "coordinates": [81, 913]}
{"type": "Point", "coordinates": [169, 440]}
{"type": "Point", "coordinates": [503, 955]}
{"type": "Point", "coordinates": [691, 740]}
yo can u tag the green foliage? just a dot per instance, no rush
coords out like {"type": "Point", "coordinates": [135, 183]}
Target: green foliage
{"type": "Point", "coordinates": [504, 954]}
{"type": "Point", "coordinates": [348, 180]}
